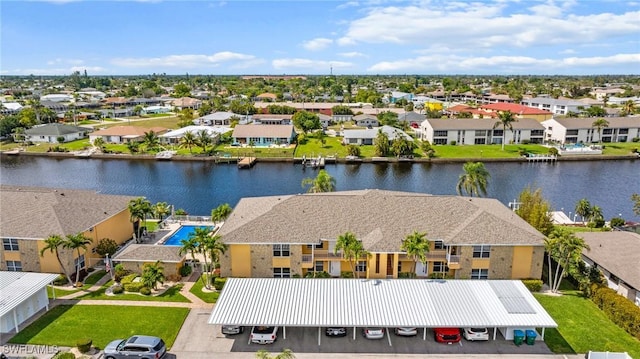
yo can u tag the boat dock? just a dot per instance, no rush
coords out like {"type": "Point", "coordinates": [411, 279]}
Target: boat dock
{"type": "Point", "coordinates": [246, 162]}
{"type": "Point", "coordinates": [317, 162]}
{"type": "Point", "coordinates": [541, 158]}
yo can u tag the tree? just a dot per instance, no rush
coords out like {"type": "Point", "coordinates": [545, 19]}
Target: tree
{"type": "Point", "coordinates": [474, 180]}
{"type": "Point", "coordinates": [161, 210]}
{"type": "Point", "coordinates": [190, 245]}
{"type": "Point", "coordinates": [599, 124]}
{"type": "Point", "coordinates": [535, 210]}
{"type": "Point", "coordinates": [381, 144]}
{"type": "Point", "coordinates": [139, 209]}
{"type": "Point", "coordinates": [505, 119]}
{"type": "Point", "coordinates": [77, 242]}
{"type": "Point", "coordinates": [388, 118]}
{"type": "Point", "coordinates": [322, 183]}
{"type": "Point", "coordinates": [628, 108]}
{"type": "Point", "coordinates": [188, 140]}
{"type": "Point", "coordinates": [286, 354]}
{"type": "Point", "coordinates": [106, 246]}
{"type": "Point", "coordinates": [353, 150]}
{"type": "Point", "coordinates": [565, 248]}
{"type": "Point", "coordinates": [204, 139]}
{"type": "Point", "coordinates": [306, 121]}
{"type": "Point", "coordinates": [635, 198]}
{"type": "Point", "coordinates": [151, 141]}
{"type": "Point", "coordinates": [152, 274]}
{"type": "Point", "coordinates": [213, 248]}
{"type": "Point", "coordinates": [596, 218]}
{"type": "Point", "coordinates": [583, 209]}
{"type": "Point", "coordinates": [185, 117]}
{"type": "Point", "coordinates": [181, 90]}
{"type": "Point", "coordinates": [221, 212]}
{"type": "Point", "coordinates": [402, 146]}
{"type": "Point", "coordinates": [133, 146]}
{"type": "Point", "coordinates": [99, 143]}
{"type": "Point", "coordinates": [137, 110]}
{"type": "Point", "coordinates": [416, 245]}
{"type": "Point", "coordinates": [352, 250]}
{"type": "Point", "coordinates": [53, 243]}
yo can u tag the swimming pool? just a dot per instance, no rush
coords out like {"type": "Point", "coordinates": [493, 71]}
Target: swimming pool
{"type": "Point", "coordinates": [182, 233]}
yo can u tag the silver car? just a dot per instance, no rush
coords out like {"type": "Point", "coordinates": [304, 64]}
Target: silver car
{"type": "Point", "coordinates": [232, 329]}
{"type": "Point", "coordinates": [406, 331]}
{"type": "Point", "coordinates": [138, 346]}
{"type": "Point", "coordinates": [373, 333]}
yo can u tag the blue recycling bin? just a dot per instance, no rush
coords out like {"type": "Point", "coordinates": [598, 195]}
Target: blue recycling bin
{"type": "Point", "coordinates": [531, 337]}
{"type": "Point", "coordinates": [518, 337]}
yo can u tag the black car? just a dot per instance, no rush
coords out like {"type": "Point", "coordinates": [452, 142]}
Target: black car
{"type": "Point", "coordinates": [336, 332]}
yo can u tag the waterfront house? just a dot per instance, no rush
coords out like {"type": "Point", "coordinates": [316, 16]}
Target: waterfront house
{"type": "Point", "coordinates": [616, 254]}
{"type": "Point", "coordinates": [465, 131]}
{"type": "Point", "coordinates": [264, 135]}
{"type": "Point", "coordinates": [518, 111]}
{"type": "Point", "coordinates": [55, 132]}
{"type": "Point", "coordinates": [28, 215]}
{"type": "Point", "coordinates": [581, 130]}
{"type": "Point", "coordinates": [174, 136]}
{"type": "Point", "coordinates": [367, 136]}
{"type": "Point", "coordinates": [366, 120]}
{"type": "Point", "coordinates": [124, 134]}
{"type": "Point", "coordinates": [220, 118]}
{"type": "Point", "coordinates": [152, 110]}
{"type": "Point", "coordinates": [287, 235]}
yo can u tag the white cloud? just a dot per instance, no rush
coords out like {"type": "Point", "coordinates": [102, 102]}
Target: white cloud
{"type": "Point", "coordinates": [186, 61]}
{"type": "Point", "coordinates": [352, 54]}
{"type": "Point", "coordinates": [568, 52]}
{"type": "Point", "coordinates": [317, 44]}
{"type": "Point", "coordinates": [297, 63]}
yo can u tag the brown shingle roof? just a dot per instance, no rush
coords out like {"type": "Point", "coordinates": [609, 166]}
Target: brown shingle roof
{"type": "Point", "coordinates": [617, 251]}
{"type": "Point", "coordinates": [149, 253]}
{"type": "Point", "coordinates": [30, 212]}
{"type": "Point", "coordinates": [381, 219]}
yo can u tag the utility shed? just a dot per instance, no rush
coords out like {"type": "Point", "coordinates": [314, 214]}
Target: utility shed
{"type": "Point", "coordinates": [22, 294]}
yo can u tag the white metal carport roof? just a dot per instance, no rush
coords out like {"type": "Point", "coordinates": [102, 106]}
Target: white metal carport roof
{"type": "Point", "coordinates": [378, 302]}
{"type": "Point", "coordinates": [15, 287]}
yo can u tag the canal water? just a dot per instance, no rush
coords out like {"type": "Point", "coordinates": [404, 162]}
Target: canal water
{"type": "Point", "coordinates": [198, 187]}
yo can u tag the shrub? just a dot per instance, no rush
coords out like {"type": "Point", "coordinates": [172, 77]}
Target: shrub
{"type": "Point", "coordinates": [635, 139]}
{"type": "Point", "coordinates": [617, 222]}
{"type": "Point", "coordinates": [84, 345]}
{"type": "Point", "coordinates": [61, 280]}
{"type": "Point", "coordinates": [346, 274]}
{"type": "Point", "coordinates": [553, 151]}
{"type": "Point", "coordinates": [173, 278]}
{"type": "Point", "coordinates": [453, 143]}
{"type": "Point", "coordinates": [406, 275]}
{"type": "Point", "coordinates": [185, 271]}
{"type": "Point", "coordinates": [117, 290]}
{"type": "Point", "coordinates": [321, 274]}
{"type": "Point", "coordinates": [128, 278]}
{"type": "Point", "coordinates": [145, 291]}
{"type": "Point", "coordinates": [534, 285]}
{"type": "Point", "coordinates": [525, 142]}
{"type": "Point", "coordinates": [634, 150]}
{"type": "Point", "coordinates": [218, 283]}
{"type": "Point", "coordinates": [106, 246]}
{"type": "Point", "coordinates": [65, 355]}
{"type": "Point", "coordinates": [119, 272]}
{"type": "Point", "coordinates": [619, 309]}
{"type": "Point", "coordinates": [133, 287]}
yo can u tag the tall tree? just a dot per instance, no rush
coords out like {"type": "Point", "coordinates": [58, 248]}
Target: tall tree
{"type": "Point", "coordinates": [506, 120]}
{"type": "Point", "coordinates": [188, 140]}
{"type": "Point", "coordinates": [139, 209]}
{"type": "Point", "coordinates": [152, 274]}
{"type": "Point", "coordinates": [161, 210]}
{"type": "Point", "coordinates": [53, 244]}
{"type": "Point", "coordinates": [77, 242]}
{"type": "Point", "coordinates": [628, 108]}
{"type": "Point", "coordinates": [151, 141]}
{"type": "Point", "coordinates": [204, 139]}
{"type": "Point", "coordinates": [322, 183]}
{"type": "Point", "coordinates": [565, 248]}
{"type": "Point", "coordinates": [535, 210]}
{"type": "Point", "coordinates": [416, 245]}
{"type": "Point", "coordinates": [212, 248]}
{"type": "Point", "coordinates": [583, 209]}
{"type": "Point", "coordinates": [352, 250]}
{"type": "Point", "coordinates": [474, 180]}
{"type": "Point", "coordinates": [599, 124]}
{"type": "Point", "coordinates": [381, 144]}
{"type": "Point", "coordinates": [306, 121]}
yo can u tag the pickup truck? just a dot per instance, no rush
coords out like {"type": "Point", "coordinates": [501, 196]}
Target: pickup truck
{"type": "Point", "coordinates": [264, 335]}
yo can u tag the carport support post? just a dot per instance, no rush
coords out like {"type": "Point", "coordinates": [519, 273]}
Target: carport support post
{"type": "Point", "coordinates": [542, 333]}
{"type": "Point", "coordinates": [319, 330]}
{"type": "Point", "coordinates": [495, 329]}
{"type": "Point", "coordinates": [354, 333]}
{"type": "Point", "coordinates": [424, 334]}
{"type": "Point", "coordinates": [15, 320]}
{"type": "Point", "coordinates": [284, 332]}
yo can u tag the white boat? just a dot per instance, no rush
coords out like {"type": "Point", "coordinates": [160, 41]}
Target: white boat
{"type": "Point", "coordinates": [85, 153]}
{"type": "Point", "coordinates": [165, 155]}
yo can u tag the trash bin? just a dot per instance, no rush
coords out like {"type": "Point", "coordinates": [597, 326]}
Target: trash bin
{"type": "Point", "coordinates": [531, 337]}
{"type": "Point", "coordinates": [518, 337]}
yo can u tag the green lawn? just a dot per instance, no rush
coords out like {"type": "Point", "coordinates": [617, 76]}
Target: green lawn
{"type": "Point", "coordinates": [93, 278]}
{"type": "Point", "coordinates": [170, 295]}
{"type": "Point", "coordinates": [582, 326]}
{"type": "Point", "coordinates": [65, 324]}
{"type": "Point", "coordinates": [211, 297]}
{"type": "Point", "coordinates": [59, 292]}
{"type": "Point", "coordinates": [488, 151]}
{"type": "Point", "coordinates": [576, 229]}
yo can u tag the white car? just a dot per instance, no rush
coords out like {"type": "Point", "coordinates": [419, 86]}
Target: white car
{"type": "Point", "coordinates": [406, 331]}
{"type": "Point", "coordinates": [373, 333]}
{"type": "Point", "coordinates": [264, 334]}
{"type": "Point", "coordinates": [474, 334]}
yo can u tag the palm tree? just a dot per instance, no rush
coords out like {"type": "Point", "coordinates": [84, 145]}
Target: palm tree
{"type": "Point", "coordinates": [188, 140]}
{"type": "Point", "coordinates": [474, 179]}
{"type": "Point", "coordinates": [190, 245]}
{"type": "Point", "coordinates": [139, 209]}
{"type": "Point", "coordinates": [161, 210]}
{"type": "Point", "coordinates": [566, 249]}
{"type": "Point", "coordinates": [99, 143]}
{"type": "Point", "coordinates": [416, 245]}
{"type": "Point", "coordinates": [599, 124]}
{"type": "Point", "coordinates": [152, 274]}
{"type": "Point", "coordinates": [214, 247]}
{"type": "Point", "coordinates": [151, 141]}
{"type": "Point", "coordinates": [77, 242]}
{"type": "Point", "coordinates": [583, 209]}
{"type": "Point", "coordinates": [322, 183]}
{"type": "Point", "coordinates": [505, 119]}
{"type": "Point", "coordinates": [53, 243]}
{"type": "Point", "coordinates": [381, 144]}
{"type": "Point", "coordinates": [286, 354]}
{"type": "Point", "coordinates": [352, 250]}
{"type": "Point", "coordinates": [628, 108]}
{"type": "Point", "coordinates": [596, 214]}
{"type": "Point", "coordinates": [137, 110]}
{"type": "Point", "coordinates": [204, 139]}
{"type": "Point", "coordinates": [221, 212]}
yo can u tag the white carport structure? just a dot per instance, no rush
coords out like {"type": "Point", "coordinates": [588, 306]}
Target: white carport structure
{"type": "Point", "coordinates": [503, 305]}
{"type": "Point", "coordinates": [22, 295]}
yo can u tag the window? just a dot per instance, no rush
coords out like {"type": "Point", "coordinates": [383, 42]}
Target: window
{"type": "Point", "coordinates": [439, 141]}
{"type": "Point", "coordinates": [438, 245]}
{"type": "Point", "coordinates": [623, 131]}
{"type": "Point", "coordinates": [319, 267]}
{"type": "Point", "coordinates": [440, 267]}
{"type": "Point", "coordinates": [498, 132]}
{"type": "Point", "coordinates": [281, 250]}
{"type": "Point", "coordinates": [281, 272]}
{"type": "Point", "coordinates": [439, 133]}
{"type": "Point", "coordinates": [607, 131]}
{"type": "Point", "coordinates": [10, 244]}
{"type": "Point", "coordinates": [537, 132]}
{"type": "Point", "coordinates": [572, 132]}
{"type": "Point", "coordinates": [79, 262]}
{"type": "Point", "coordinates": [481, 251]}
{"type": "Point", "coordinates": [14, 266]}
{"type": "Point", "coordinates": [480, 141]}
{"type": "Point", "coordinates": [481, 133]}
{"type": "Point", "coordinates": [479, 274]}
{"type": "Point", "coordinates": [317, 246]}
{"type": "Point", "coordinates": [377, 262]}
{"type": "Point", "coordinates": [361, 266]}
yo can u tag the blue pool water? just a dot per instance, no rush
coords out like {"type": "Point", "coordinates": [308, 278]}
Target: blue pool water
{"type": "Point", "coordinates": [182, 233]}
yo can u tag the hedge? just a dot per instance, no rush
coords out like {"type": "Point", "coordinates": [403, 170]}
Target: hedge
{"type": "Point", "coordinates": [218, 283]}
{"type": "Point", "coordinates": [133, 287]}
{"type": "Point", "coordinates": [619, 309]}
{"type": "Point", "coordinates": [534, 285]}
{"type": "Point", "coordinates": [128, 278]}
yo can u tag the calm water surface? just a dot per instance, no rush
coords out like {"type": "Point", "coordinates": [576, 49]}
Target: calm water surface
{"type": "Point", "coordinates": [199, 186]}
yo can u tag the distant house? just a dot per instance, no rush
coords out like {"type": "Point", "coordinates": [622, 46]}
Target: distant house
{"type": "Point", "coordinates": [267, 97]}
{"type": "Point", "coordinates": [343, 118]}
{"type": "Point", "coordinates": [124, 134]}
{"type": "Point", "coordinates": [396, 96]}
{"type": "Point", "coordinates": [149, 110]}
{"type": "Point", "coordinates": [581, 130]}
{"type": "Point", "coordinates": [367, 136]}
{"type": "Point", "coordinates": [411, 118]}
{"type": "Point", "coordinates": [264, 135]}
{"type": "Point", "coordinates": [479, 132]}
{"type": "Point", "coordinates": [174, 136]}
{"type": "Point", "coordinates": [186, 102]}
{"type": "Point", "coordinates": [519, 111]}
{"type": "Point", "coordinates": [57, 97]}
{"type": "Point", "coordinates": [366, 120]}
{"type": "Point", "coordinates": [428, 103]}
{"type": "Point", "coordinates": [272, 119]}
{"type": "Point", "coordinates": [326, 120]}
{"type": "Point", "coordinates": [619, 267]}
{"type": "Point", "coordinates": [220, 118]}
{"type": "Point", "coordinates": [10, 107]}
{"type": "Point", "coordinates": [51, 132]}
{"type": "Point", "coordinates": [555, 106]}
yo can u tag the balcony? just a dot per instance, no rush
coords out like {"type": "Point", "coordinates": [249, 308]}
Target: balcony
{"type": "Point", "coordinates": [433, 256]}
{"type": "Point", "coordinates": [453, 261]}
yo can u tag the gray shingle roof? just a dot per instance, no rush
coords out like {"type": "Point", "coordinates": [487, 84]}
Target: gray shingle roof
{"type": "Point", "coordinates": [30, 212]}
{"type": "Point", "coordinates": [55, 129]}
{"type": "Point", "coordinates": [618, 252]}
{"type": "Point", "coordinates": [149, 253]}
{"type": "Point", "coordinates": [614, 122]}
{"type": "Point", "coordinates": [381, 219]}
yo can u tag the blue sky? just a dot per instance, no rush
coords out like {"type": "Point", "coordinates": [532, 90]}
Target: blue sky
{"type": "Point", "coordinates": [502, 37]}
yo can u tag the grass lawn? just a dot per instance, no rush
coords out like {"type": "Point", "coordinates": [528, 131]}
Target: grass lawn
{"type": "Point", "coordinates": [93, 278]}
{"type": "Point", "coordinates": [65, 324]}
{"type": "Point", "coordinates": [249, 152]}
{"type": "Point", "coordinates": [620, 148]}
{"type": "Point", "coordinates": [170, 122]}
{"type": "Point", "coordinates": [59, 292]}
{"type": "Point", "coordinates": [170, 295]}
{"type": "Point", "coordinates": [582, 326]}
{"type": "Point", "coordinates": [211, 297]}
{"type": "Point", "coordinates": [488, 151]}
{"type": "Point", "coordinates": [576, 229]}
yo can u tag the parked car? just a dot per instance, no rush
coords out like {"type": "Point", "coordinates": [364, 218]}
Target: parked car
{"type": "Point", "coordinates": [406, 331]}
{"type": "Point", "coordinates": [232, 329]}
{"type": "Point", "coordinates": [264, 334]}
{"type": "Point", "coordinates": [138, 346]}
{"type": "Point", "coordinates": [447, 335]}
{"type": "Point", "coordinates": [475, 334]}
{"type": "Point", "coordinates": [373, 333]}
{"type": "Point", "coordinates": [336, 332]}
